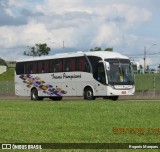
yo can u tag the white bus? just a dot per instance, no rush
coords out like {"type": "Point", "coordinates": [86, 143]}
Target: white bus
{"type": "Point", "coordinates": [88, 74]}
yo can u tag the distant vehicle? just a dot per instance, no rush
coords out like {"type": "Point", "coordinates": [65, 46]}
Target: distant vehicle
{"type": "Point", "coordinates": [135, 66]}
{"type": "Point", "coordinates": [89, 74]}
{"type": "Point", "coordinates": [3, 66]}
{"type": "Point", "coordinates": [153, 71]}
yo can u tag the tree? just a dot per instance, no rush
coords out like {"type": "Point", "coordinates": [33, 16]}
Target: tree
{"type": "Point", "coordinates": [158, 69]}
{"type": "Point", "coordinates": [147, 69]}
{"type": "Point", "coordinates": [38, 50]}
{"type": "Point", "coordinates": [96, 49]}
{"type": "Point", "coordinates": [108, 49]}
{"type": "Point", "coordinates": [99, 49]}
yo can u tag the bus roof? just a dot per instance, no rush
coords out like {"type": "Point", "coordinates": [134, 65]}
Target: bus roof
{"type": "Point", "coordinates": [102, 54]}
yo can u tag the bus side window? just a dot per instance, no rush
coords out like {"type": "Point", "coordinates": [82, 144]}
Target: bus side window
{"type": "Point", "coordinates": [80, 64]}
{"type": "Point", "coordinates": [20, 68]}
{"type": "Point", "coordinates": [87, 67]}
{"type": "Point", "coordinates": [69, 64]}
{"type": "Point", "coordinates": [29, 68]}
{"type": "Point", "coordinates": [77, 64]}
{"type": "Point", "coordinates": [94, 62]}
{"type": "Point", "coordinates": [39, 67]}
{"type": "Point", "coordinates": [59, 65]}
{"type": "Point", "coordinates": [26, 70]}
{"type": "Point", "coordinates": [66, 67]}
{"type": "Point", "coordinates": [52, 66]}
{"type": "Point", "coordinates": [72, 62]}
{"type": "Point", "coordinates": [101, 73]}
{"type": "Point", "coordinates": [43, 66]}
{"type": "Point", "coordinates": [56, 65]}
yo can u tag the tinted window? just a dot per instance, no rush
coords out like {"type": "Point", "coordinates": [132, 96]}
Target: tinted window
{"type": "Point", "coordinates": [20, 68]}
{"type": "Point", "coordinates": [56, 65]}
{"type": "Point", "coordinates": [94, 62]}
{"type": "Point", "coordinates": [101, 73]}
{"type": "Point", "coordinates": [43, 67]}
{"type": "Point", "coordinates": [69, 64]}
{"type": "Point", "coordinates": [31, 67]}
{"type": "Point", "coordinates": [82, 64]}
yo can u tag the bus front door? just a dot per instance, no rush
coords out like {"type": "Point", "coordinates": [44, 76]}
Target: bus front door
{"type": "Point", "coordinates": [101, 85]}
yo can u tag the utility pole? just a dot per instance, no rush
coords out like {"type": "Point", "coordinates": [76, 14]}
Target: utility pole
{"type": "Point", "coordinates": [145, 53]}
{"type": "Point", "coordinates": [60, 45]}
{"type": "Point", "coordinates": [144, 59]}
{"type": "Point", "coordinates": [63, 44]}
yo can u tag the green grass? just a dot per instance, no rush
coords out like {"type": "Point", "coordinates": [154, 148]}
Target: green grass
{"type": "Point", "coordinates": [7, 87]}
{"type": "Point", "coordinates": [77, 121]}
{"type": "Point", "coordinates": [147, 81]}
{"type": "Point", "coordinates": [9, 75]}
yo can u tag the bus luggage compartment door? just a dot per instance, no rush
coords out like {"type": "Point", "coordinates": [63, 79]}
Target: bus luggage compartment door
{"type": "Point", "coordinates": [101, 89]}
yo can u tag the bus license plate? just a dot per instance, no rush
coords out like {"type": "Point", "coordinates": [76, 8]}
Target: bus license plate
{"type": "Point", "coordinates": [123, 92]}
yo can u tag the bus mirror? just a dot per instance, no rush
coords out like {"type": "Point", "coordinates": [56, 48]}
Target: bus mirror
{"type": "Point", "coordinates": [107, 66]}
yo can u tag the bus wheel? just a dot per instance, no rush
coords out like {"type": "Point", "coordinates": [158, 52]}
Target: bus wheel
{"type": "Point", "coordinates": [88, 94]}
{"type": "Point", "coordinates": [106, 97]}
{"type": "Point", "coordinates": [56, 98]}
{"type": "Point", "coordinates": [114, 98]}
{"type": "Point", "coordinates": [34, 94]}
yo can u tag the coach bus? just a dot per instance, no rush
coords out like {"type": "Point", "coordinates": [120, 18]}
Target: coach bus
{"type": "Point", "coordinates": [89, 74]}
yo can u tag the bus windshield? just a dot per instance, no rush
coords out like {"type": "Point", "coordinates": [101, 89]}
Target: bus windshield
{"type": "Point", "coordinates": [120, 72]}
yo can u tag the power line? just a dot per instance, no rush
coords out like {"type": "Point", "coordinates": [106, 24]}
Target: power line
{"type": "Point", "coordinates": [153, 53]}
{"type": "Point", "coordinates": [141, 55]}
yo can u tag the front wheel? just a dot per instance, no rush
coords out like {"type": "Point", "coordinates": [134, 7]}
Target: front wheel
{"type": "Point", "coordinates": [114, 98]}
{"type": "Point", "coordinates": [88, 94]}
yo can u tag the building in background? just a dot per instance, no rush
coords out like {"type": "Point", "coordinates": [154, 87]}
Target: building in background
{"type": "Point", "coordinates": [158, 69]}
{"type": "Point", "coordinates": [3, 66]}
{"type": "Point", "coordinates": [11, 64]}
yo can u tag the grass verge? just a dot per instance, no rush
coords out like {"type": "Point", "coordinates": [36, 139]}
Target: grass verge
{"type": "Point", "coordinates": [79, 121]}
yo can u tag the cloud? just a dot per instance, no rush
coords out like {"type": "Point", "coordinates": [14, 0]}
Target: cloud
{"type": "Point", "coordinates": [81, 24]}
{"type": "Point", "coordinates": [22, 35]}
{"type": "Point", "coordinates": [7, 17]}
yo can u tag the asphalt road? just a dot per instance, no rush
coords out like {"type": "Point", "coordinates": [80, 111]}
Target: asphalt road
{"type": "Point", "coordinates": [137, 96]}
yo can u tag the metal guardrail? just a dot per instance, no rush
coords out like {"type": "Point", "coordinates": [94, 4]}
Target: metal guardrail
{"type": "Point", "coordinates": [143, 83]}
{"type": "Point", "coordinates": [147, 82]}
{"type": "Point", "coordinates": [7, 87]}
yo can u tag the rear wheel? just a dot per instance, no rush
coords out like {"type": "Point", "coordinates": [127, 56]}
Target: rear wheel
{"type": "Point", "coordinates": [34, 95]}
{"type": "Point", "coordinates": [88, 94]}
{"type": "Point", "coordinates": [56, 98]}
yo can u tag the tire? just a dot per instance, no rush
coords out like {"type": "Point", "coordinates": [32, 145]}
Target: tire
{"type": "Point", "coordinates": [88, 94]}
{"type": "Point", "coordinates": [34, 94]}
{"type": "Point", "coordinates": [114, 98]}
{"type": "Point", "coordinates": [105, 98]}
{"type": "Point", "coordinates": [56, 98]}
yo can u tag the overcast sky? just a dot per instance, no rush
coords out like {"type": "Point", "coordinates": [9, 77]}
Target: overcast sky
{"type": "Point", "coordinates": [126, 25]}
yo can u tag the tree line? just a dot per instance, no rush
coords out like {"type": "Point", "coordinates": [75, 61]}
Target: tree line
{"type": "Point", "coordinates": [42, 49]}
